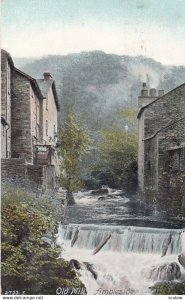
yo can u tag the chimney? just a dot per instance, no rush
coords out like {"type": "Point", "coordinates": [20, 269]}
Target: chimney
{"type": "Point", "coordinates": [144, 91]}
{"type": "Point", "coordinates": [146, 97]}
{"type": "Point", "coordinates": [47, 76]}
{"type": "Point", "coordinates": [160, 93]}
{"type": "Point", "coordinates": [152, 92]}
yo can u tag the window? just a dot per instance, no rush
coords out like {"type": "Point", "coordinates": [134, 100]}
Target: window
{"type": "Point", "coordinates": [177, 160]}
{"type": "Point", "coordinates": [46, 127]}
{"type": "Point", "coordinates": [54, 130]}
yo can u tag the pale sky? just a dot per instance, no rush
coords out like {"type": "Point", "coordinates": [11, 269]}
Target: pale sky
{"type": "Point", "coordinates": [154, 28]}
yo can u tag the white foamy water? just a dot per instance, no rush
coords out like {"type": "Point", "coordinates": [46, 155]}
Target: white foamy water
{"type": "Point", "coordinates": [88, 198]}
{"type": "Point", "coordinates": [124, 263]}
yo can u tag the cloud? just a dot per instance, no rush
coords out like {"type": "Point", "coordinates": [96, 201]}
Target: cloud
{"type": "Point", "coordinates": [154, 42]}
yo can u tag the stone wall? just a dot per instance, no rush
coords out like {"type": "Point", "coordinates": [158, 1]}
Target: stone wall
{"type": "Point", "coordinates": [4, 84]}
{"type": "Point", "coordinates": [6, 104]}
{"type": "Point", "coordinates": [13, 168]}
{"type": "Point", "coordinates": [21, 118]}
{"type": "Point", "coordinates": [3, 141]}
{"type": "Point", "coordinates": [141, 152]}
{"type": "Point", "coordinates": [17, 171]}
{"type": "Point", "coordinates": [164, 131]}
{"type": "Point", "coordinates": [164, 111]}
{"type": "Point", "coordinates": [50, 118]}
{"type": "Point", "coordinates": [35, 118]}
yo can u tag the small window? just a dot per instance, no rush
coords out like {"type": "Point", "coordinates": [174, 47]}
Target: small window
{"type": "Point", "coordinates": [54, 130]}
{"type": "Point", "coordinates": [46, 127]}
{"type": "Point", "coordinates": [177, 160]}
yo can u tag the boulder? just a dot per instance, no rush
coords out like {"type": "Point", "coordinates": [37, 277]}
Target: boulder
{"type": "Point", "coordinates": [181, 259]}
{"type": "Point", "coordinates": [70, 198]}
{"type": "Point", "coordinates": [75, 264]}
{"type": "Point", "coordinates": [101, 191]}
{"type": "Point", "coordinates": [90, 268]}
{"type": "Point", "coordinates": [101, 198]}
{"type": "Point", "coordinates": [165, 272]}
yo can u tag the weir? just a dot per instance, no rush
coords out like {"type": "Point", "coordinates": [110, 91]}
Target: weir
{"type": "Point", "coordinates": [124, 238]}
{"type": "Point", "coordinates": [132, 259]}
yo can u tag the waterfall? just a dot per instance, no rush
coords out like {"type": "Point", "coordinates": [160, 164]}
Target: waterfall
{"type": "Point", "coordinates": [130, 257]}
{"type": "Point", "coordinates": [129, 262]}
{"type": "Point", "coordinates": [124, 238]}
{"type": "Point", "coordinates": [183, 241]}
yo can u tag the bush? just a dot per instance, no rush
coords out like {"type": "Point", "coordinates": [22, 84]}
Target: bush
{"type": "Point", "coordinates": [29, 263]}
{"type": "Point", "coordinates": [169, 288]}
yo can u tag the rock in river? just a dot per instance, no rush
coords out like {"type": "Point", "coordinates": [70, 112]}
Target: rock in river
{"type": "Point", "coordinates": [165, 272]}
{"type": "Point", "coordinates": [181, 259]}
{"type": "Point", "coordinates": [101, 198]}
{"type": "Point", "coordinates": [75, 264]}
{"type": "Point", "coordinates": [101, 191]}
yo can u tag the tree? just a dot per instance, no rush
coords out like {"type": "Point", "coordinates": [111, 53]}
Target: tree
{"type": "Point", "coordinates": [130, 117]}
{"type": "Point", "coordinates": [118, 152]}
{"type": "Point", "coordinates": [73, 142]}
{"type": "Point", "coordinates": [29, 264]}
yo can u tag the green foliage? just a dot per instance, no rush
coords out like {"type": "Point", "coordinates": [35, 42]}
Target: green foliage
{"type": "Point", "coordinates": [73, 141]}
{"type": "Point", "coordinates": [169, 288]}
{"type": "Point", "coordinates": [119, 156]}
{"type": "Point", "coordinates": [130, 115]}
{"type": "Point", "coordinates": [29, 263]}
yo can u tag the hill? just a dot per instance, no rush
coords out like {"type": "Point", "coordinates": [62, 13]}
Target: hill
{"type": "Point", "coordinates": [96, 85]}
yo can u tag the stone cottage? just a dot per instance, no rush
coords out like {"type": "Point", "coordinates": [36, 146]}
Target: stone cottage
{"type": "Point", "coordinates": [161, 157]}
{"type": "Point", "coordinates": [29, 112]}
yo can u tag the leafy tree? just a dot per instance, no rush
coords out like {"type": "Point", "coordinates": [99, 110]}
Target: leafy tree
{"type": "Point", "coordinates": [119, 157]}
{"type": "Point", "coordinates": [73, 141]}
{"type": "Point", "coordinates": [29, 264]}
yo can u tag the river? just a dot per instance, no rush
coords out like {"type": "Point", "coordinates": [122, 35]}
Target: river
{"type": "Point", "coordinates": [129, 261]}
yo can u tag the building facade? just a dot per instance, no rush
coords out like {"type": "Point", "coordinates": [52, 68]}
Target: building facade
{"type": "Point", "coordinates": [161, 155]}
{"type": "Point", "coordinates": [6, 94]}
{"type": "Point", "coordinates": [28, 122]}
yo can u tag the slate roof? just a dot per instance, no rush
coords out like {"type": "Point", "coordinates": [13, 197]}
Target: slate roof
{"type": "Point", "coordinates": [32, 81]}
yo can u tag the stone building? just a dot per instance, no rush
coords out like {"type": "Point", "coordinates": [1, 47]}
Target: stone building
{"type": "Point", "coordinates": [161, 157]}
{"type": "Point", "coordinates": [6, 71]}
{"type": "Point", "coordinates": [26, 108]}
{"type": "Point", "coordinates": [28, 125]}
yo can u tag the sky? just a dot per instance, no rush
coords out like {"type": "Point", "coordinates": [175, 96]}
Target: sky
{"type": "Point", "coordinates": [153, 28]}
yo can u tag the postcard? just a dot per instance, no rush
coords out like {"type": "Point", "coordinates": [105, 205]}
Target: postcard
{"type": "Point", "coordinates": [92, 148]}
